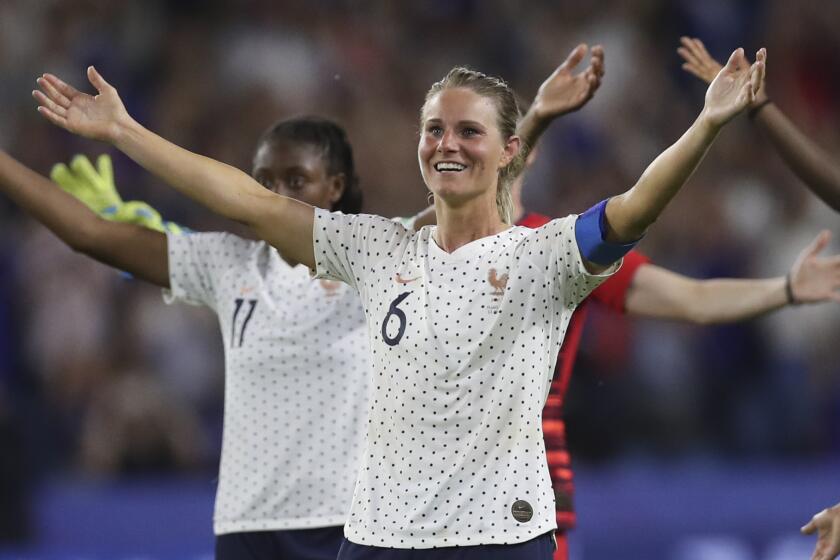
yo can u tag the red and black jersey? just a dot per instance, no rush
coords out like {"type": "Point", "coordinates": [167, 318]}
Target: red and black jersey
{"type": "Point", "coordinates": [611, 294]}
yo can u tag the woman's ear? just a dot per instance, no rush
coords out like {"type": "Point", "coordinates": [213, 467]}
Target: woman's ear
{"type": "Point", "coordinates": [512, 147]}
{"type": "Point", "coordinates": [338, 183]}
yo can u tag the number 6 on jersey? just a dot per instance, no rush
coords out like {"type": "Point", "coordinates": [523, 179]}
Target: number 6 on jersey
{"type": "Point", "coordinates": [400, 315]}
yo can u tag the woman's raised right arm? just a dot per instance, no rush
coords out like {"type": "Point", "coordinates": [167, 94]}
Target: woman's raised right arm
{"type": "Point", "coordinates": [128, 247]}
{"type": "Point", "coordinates": [283, 222]}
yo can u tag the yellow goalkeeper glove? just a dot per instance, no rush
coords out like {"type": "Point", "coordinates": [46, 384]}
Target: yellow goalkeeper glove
{"type": "Point", "coordinates": [96, 189]}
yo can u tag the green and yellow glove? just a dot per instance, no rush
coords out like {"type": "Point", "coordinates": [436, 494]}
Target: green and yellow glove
{"type": "Point", "coordinates": [96, 189]}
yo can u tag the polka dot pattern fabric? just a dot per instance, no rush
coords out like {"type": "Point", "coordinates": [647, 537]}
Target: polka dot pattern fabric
{"type": "Point", "coordinates": [463, 347]}
{"type": "Point", "coordinates": [296, 385]}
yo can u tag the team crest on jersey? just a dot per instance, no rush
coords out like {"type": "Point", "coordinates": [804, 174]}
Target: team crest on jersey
{"type": "Point", "coordinates": [330, 287]}
{"type": "Point", "coordinates": [498, 282]}
{"type": "Point", "coordinates": [244, 291]}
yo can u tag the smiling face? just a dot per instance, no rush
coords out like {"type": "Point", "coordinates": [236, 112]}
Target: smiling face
{"type": "Point", "coordinates": [297, 170]}
{"type": "Point", "coordinates": [461, 149]}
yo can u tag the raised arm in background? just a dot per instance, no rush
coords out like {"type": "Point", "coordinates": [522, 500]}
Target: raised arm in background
{"type": "Point", "coordinates": [657, 292]}
{"type": "Point", "coordinates": [660, 293]}
{"type": "Point", "coordinates": [630, 214]}
{"type": "Point", "coordinates": [562, 92]}
{"type": "Point", "coordinates": [128, 247]}
{"type": "Point", "coordinates": [826, 524]}
{"type": "Point", "coordinates": [814, 166]}
{"type": "Point", "coordinates": [283, 222]}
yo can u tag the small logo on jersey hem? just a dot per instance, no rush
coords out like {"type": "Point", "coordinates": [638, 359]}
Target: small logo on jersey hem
{"type": "Point", "coordinates": [400, 280]}
{"type": "Point", "coordinates": [522, 511]}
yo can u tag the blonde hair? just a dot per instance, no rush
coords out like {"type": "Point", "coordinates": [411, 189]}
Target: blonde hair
{"type": "Point", "coordinates": [508, 114]}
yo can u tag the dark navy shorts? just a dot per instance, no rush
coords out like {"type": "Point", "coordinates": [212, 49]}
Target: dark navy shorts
{"type": "Point", "coordinates": [540, 548]}
{"type": "Point", "coordinates": [298, 544]}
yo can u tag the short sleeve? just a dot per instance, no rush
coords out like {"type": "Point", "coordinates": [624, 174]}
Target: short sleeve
{"type": "Point", "coordinates": [347, 246]}
{"type": "Point", "coordinates": [554, 248]}
{"type": "Point", "coordinates": [196, 262]}
{"type": "Point", "coordinates": [613, 292]}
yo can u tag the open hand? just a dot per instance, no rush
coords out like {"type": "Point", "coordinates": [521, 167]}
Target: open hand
{"type": "Point", "coordinates": [814, 278]}
{"type": "Point", "coordinates": [827, 526]}
{"type": "Point", "coordinates": [98, 117]}
{"type": "Point", "coordinates": [564, 91]}
{"type": "Point", "coordinates": [734, 88]}
{"type": "Point", "coordinates": [700, 63]}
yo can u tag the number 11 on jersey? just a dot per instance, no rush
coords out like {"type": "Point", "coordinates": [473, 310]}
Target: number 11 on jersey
{"type": "Point", "coordinates": [236, 341]}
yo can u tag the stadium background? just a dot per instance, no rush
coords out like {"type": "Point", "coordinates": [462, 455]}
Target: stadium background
{"type": "Point", "coordinates": [689, 442]}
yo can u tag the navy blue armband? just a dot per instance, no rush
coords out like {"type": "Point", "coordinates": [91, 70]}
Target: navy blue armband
{"type": "Point", "coordinates": [591, 230]}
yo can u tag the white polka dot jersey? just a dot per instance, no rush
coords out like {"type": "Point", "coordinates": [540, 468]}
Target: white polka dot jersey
{"type": "Point", "coordinates": [463, 346]}
{"type": "Point", "coordinates": [296, 382]}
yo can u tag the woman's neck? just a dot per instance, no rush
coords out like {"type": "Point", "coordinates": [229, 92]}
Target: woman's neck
{"type": "Point", "coordinates": [457, 226]}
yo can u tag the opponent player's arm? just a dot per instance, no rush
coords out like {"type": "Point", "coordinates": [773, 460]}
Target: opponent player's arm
{"type": "Point", "coordinates": [562, 92]}
{"type": "Point", "coordinates": [660, 293]}
{"type": "Point", "coordinates": [807, 160]}
{"type": "Point", "coordinates": [827, 526]}
{"type": "Point", "coordinates": [131, 248]}
{"type": "Point", "coordinates": [283, 222]}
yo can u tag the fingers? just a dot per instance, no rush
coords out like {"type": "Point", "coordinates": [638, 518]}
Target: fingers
{"type": "Point", "coordinates": [83, 168]}
{"type": "Point", "coordinates": [597, 61]}
{"type": "Point", "coordinates": [106, 168]}
{"type": "Point", "coordinates": [700, 49]}
{"type": "Point", "coordinates": [694, 71]}
{"type": "Point", "coordinates": [736, 60]}
{"type": "Point", "coordinates": [819, 243]}
{"type": "Point", "coordinates": [597, 56]}
{"type": "Point", "coordinates": [51, 116]}
{"type": "Point", "coordinates": [66, 89]}
{"type": "Point", "coordinates": [48, 104]}
{"type": "Point", "coordinates": [688, 57]}
{"type": "Point", "coordinates": [757, 71]}
{"type": "Point", "coordinates": [98, 81]}
{"type": "Point", "coordinates": [574, 57]}
{"type": "Point", "coordinates": [810, 527]}
{"type": "Point", "coordinates": [61, 174]}
{"type": "Point", "coordinates": [688, 54]}
{"type": "Point", "coordinates": [53, 92]}
{"type": "Point", "coordinates": [698, 61]}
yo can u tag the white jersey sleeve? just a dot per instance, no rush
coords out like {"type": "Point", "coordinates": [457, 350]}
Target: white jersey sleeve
{"type": "Point", "coordinates": [196, 261]}
{"type": "Point", "coordinates": [347, 247]}
{"type": "Point", "coordinates": [554, 248]}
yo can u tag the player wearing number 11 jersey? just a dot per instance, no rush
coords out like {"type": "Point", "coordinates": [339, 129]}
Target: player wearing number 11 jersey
{"type": "Point", "coordinates": [296, 360]}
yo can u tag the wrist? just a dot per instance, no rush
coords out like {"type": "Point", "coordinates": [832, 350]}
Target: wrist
{"type": "Point", "coordinates": [540, 117]}
{"type": "Point", "coordinates": [757, 107]}
{"type": "Point", "coordinates": [124, 129]}
{"type": "Point", "coordinates": [706, 125]}
{"type": "Point", "coordinates": [790, 297]}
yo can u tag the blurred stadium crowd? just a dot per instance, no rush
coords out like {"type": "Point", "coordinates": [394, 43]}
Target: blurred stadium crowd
{"type": "Point", "coordinates": [99, 377]}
